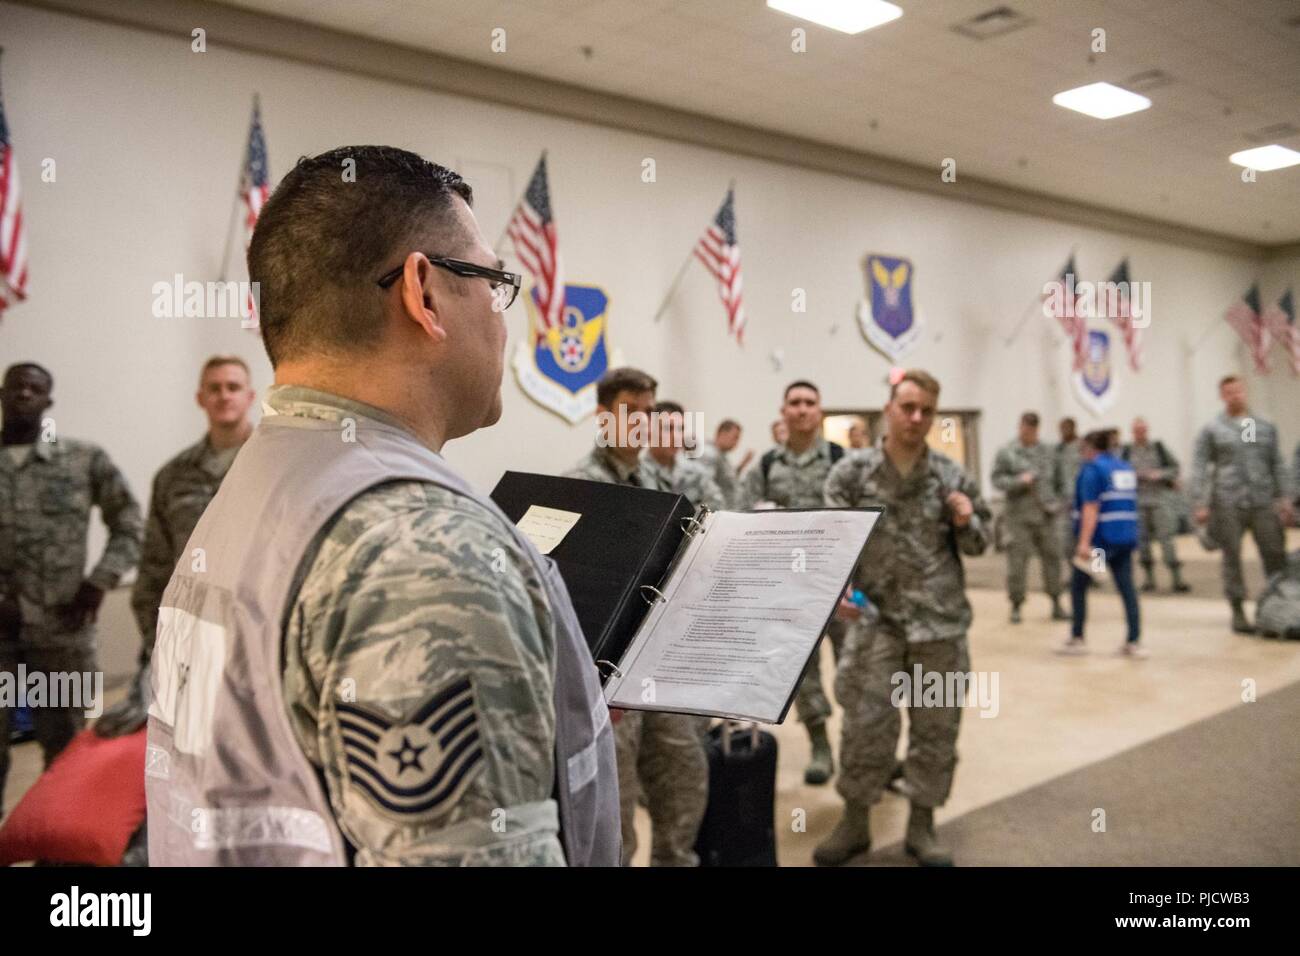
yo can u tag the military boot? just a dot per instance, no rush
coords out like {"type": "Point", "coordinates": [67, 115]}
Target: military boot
{"type": "Point", "coordinates": [1149, 578]}
{"type": "Point", "coordinates": [1180, 586]}
{"type": "Point", "coordinates": [1015, 614]}
{"type": "Point", "coordinates": [851, 836]}
{"type": "Point", "coordinates": [921, 842]}
{"type": "Point", "coordinates": [1239, 623]}
{"type": "Point", "coordinates": [1058, 613]}
{"type": "Point", "coordinates": [822, 764]}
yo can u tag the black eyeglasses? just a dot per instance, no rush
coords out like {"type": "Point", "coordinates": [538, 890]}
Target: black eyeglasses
{"type": "Point", "coordinates": [496, 277]}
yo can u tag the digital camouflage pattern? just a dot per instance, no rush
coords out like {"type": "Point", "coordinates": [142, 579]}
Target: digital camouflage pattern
{"type": "Point", "coordinates": [713, 458]}
{"type": "Point", "coordinates": [1030, 514]}
{"type": "Point", "coordinates": [1238, 462]}
{"type": "Point", "coordinates": [1157, 504]}
{"type": "Point", "coordinates": [911, 569]}
{"type": "Point", "coordinates": [794, 480]}
{"type": "Point", "coordinates": [600, 464]}
{"type": "Point", "coordinates": [419, 676]}
{"type": "Point", "coordinates": [181, 491]}
{"type": "Point", "coordinates": [45, 506]}
{"type": "Point", "coordinates": [687, 477]}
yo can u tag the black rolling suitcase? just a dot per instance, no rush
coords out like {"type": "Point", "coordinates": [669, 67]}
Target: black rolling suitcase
{"type": "Point", "coordinates": [739, 822]}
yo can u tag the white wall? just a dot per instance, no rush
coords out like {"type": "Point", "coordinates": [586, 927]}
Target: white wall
{"type": "Point", "coordinates": [149, 137]}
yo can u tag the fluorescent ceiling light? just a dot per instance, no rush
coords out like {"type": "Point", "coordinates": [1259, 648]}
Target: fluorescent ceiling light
{"type": "Point", "coordinates": [1101, 100]}
{"type": "Point", "coordinates": [1264, 158]}
{"type": "Point", "coordinates": [847, 16]}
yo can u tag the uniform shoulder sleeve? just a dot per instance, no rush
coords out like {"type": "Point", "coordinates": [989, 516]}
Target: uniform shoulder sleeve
{"type": "Point", "coordinates": [121, 514]}
{"type": "Point", "coordinates": [420, 675]}
{"type": "Point", "coordinates": [841, 487]}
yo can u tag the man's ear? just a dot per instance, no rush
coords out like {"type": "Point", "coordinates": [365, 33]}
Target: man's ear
{"type": "Point", "coordinates": [198, 398]}
{"type": "Point", "coordinates": [421, 302]}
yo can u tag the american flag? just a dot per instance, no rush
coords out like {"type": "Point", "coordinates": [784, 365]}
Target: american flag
{"type": "Point", "coordinates": [1280, 321]}
{"type": "Point", "coordinates": [255, 185]}
{"type": "Point", "coordinates": [537, 244]}
{"type": "Point", "coordinates": [13, 237]}
{"type": "Point", "coordinates": [720, 253]}
{"type": "Point", "coordinates": [1065, 300]}
{"type": "Point", "coordinates": [1244, 316]}
{"type": "Point", "coordinates": [1118, 310]}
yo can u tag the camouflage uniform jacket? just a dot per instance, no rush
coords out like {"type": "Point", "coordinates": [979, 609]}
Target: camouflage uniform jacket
{"type": "Point", "coordinates": [410, 587]}
{"type": "Point", "coordinates": [601, 464]}
{"type": "Point", "coordinates": [181, 491]}
{"type": "Point", "coordinates": [1153, 456]}
{"type": "Point", "coordinates": [687, 477]}
{"type": "Point", "coordinates": [1230, 470]}
{"type": "Point", "coordinates": [794, 480]}
{"type": "Point", "coordinates": [44, 515]}
{"type": "Point", "coordinates": [1028, 504]}
{"type": "Point", "coordinates": [724, 474]}
{"type": "Point", "coordinates": [911, 569]}
{"type": "Point", "coordinates": [1069, 459]}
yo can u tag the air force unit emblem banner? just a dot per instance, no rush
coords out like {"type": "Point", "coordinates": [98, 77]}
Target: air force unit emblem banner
{"type": "Point", "coordinates": [887, 314]}
{"type": "Point", "coordinates": [558, 366]}
{"type": "Point", "coordinates": [1094, 382]}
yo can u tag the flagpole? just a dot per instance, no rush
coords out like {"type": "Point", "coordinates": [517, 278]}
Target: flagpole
{"type": "Point", "coordinates": [234, 209]}
{"type": "Point", "coordinates": [496, 246]}
{"type": "Point", "coordinates": [1015, 333]}
{"type": "Point", "coordinates": [672, 289]}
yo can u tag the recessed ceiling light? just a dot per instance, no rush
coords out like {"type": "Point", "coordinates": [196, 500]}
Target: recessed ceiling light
{"type": "Point", "coordinates": [847, 16]}
{"type": "Point", "coordinates": [1264, 158]}
{"type": "Point", "coordinates": [1102, 100]}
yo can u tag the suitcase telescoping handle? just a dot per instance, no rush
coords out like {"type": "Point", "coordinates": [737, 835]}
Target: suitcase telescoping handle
{"type": "Point", "coordinates": [730, 727]}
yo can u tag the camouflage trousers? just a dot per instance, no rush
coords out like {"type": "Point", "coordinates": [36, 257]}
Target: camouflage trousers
{"type": "Point", "coordinates": [865, 687]}
{"type": "Point", "coordinates": [1028, 538]}
{"type": "Point", "coordinates": [810, 700]}
{"type": "Point", "coordinates": [54, 726]}
{"type": "Point", "coordinates": [663, 756]}
{"type": "Point", "coordinates": [1229, 524]}
{"type": "Point", "coordinates": [1156, 522]}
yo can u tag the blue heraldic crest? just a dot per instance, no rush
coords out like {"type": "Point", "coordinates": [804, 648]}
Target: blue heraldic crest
{"type": "Point", "coordinates": [1094, 382]}
{"type": "Point", "coordinates": [887, 314]}
{"type": "Point", "coordinates": [558, 367]}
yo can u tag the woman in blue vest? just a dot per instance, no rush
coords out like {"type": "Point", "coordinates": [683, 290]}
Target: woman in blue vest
{"type": "Point", "coordinates": [1105, 534]}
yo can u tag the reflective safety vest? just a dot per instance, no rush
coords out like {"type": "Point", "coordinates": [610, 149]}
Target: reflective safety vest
{"type": "Point", "coordinates": [226, 781]}
{"type": "Point", "coordinates": [1117, 519]}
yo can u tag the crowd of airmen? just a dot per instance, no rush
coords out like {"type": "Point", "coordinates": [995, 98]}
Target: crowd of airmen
{"type": "Point", "coordinates": [911, 613]}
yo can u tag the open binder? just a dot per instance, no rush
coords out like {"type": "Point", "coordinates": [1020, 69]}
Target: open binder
{"type": "Point", "coordinates": [687, 610]}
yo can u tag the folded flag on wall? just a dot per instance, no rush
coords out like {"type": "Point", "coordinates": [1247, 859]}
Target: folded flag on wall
{"type": "Point", "coordinates": [13, 232]}
{"type": "Point", "coordinates": [1280, 321]}
{"type": "Point", "coordinates": [1062, 302]}
{"type": "Point", "coordinates": [1118, 303]}
{"type": "Point", "coordinates": [719, 250]}
{"type": "Point", "coordinates": [537, 244]}
{"type": "Point", "coordinates": [1245, 317]}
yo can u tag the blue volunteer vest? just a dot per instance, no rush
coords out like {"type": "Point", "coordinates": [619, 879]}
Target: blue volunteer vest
{"type": "Point", "coordinates": [1117, 521]}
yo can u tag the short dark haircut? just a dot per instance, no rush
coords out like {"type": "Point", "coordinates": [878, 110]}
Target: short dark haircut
{"type": "Point", "coordinates": [1067, 420]}
{"type": "Point", "coordinates": [1030, 419]}
{"type": "Point", "coordinates": [625, 379]}
{"type": "Point", "coordinates": [324, 237]}
{"type": "Point", "coordinates": [1099, 439]}
{"type": "Point", "coordinates": [32, 365]}
{"type": "Point", "coordinates": [728, 424]}
{"type": "Point", "coordinates": [665, 407]}
{"type": "Point", "coordinates": [1228, 380]}
{"type": "Point", "coordinates": [800, 384]}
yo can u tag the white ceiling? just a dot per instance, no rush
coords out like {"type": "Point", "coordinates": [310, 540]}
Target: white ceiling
{"type": "Point", "coordinates": [917, 91]}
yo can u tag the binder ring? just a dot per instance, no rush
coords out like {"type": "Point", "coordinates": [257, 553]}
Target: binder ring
{"type": "Point", "coordinates": [658, 595]}
{"type": "Point", "coordinates": [691, 526]}
{"type": "Point", "coordinates": [614, 670]}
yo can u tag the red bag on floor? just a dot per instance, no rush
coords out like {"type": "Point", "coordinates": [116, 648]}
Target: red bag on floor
{"type": "Point", "coordinates": [84, 808]}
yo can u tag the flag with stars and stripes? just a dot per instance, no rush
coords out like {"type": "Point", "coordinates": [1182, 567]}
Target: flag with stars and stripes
{"type": "Point", "coordinates": [1119, 310]}
{"type": "Point", "coordinates": [1280, 321]}
{"type": "Point", "coordinates": [256, 183]}
{"type": "Point", "coordinates": [719, 250]}
{"type": "Point", "coordinates": [1245, 317]}
{"type": "Point", "coordinates": [13, 231]}
{"type": "Point", "coordinates": [1064, 300]}
{"type": "Point", "coordinates": [537, 244]}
